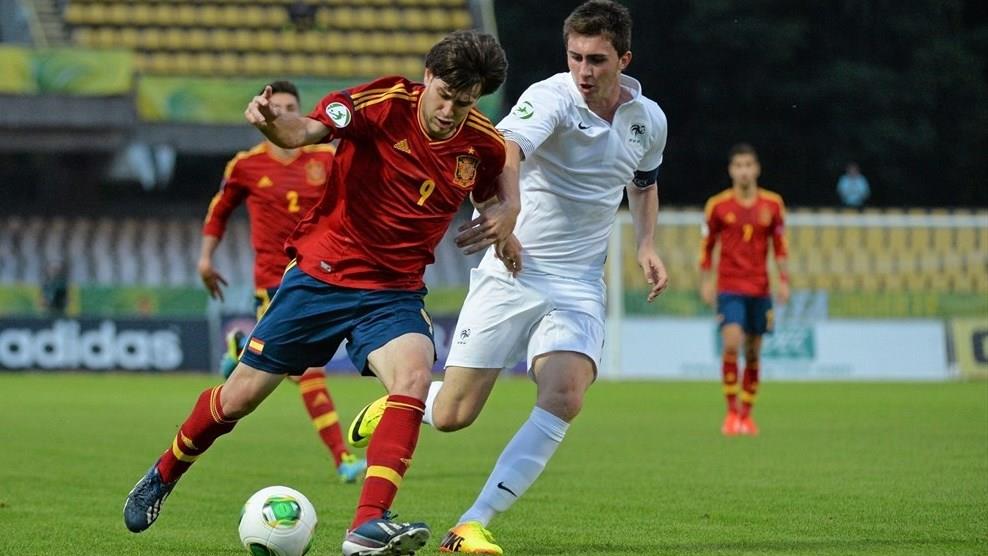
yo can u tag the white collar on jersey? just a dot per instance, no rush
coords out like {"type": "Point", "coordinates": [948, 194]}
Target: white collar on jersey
{"type": "Point", "coordinates": [627, 82]}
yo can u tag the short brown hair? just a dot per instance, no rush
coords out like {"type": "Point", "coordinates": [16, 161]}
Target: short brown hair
{"type": "Point", "coordinates": [465, 58]}
{"type": "Point", "coordinates": [284, 87]}
{"type": "Point", "coordinates": [741, 148]}
{"type": "Point", "coordinates": [601, 17]}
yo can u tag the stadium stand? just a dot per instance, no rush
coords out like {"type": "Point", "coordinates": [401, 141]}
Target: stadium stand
{"type": "Point", "coordinates": [878, 250]}
{"type": "Point", "coordinates": [888, 251]}
{"type": "Point", "coordinates": [235, 38]}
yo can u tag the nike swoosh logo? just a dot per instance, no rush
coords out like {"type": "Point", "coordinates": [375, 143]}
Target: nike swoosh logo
{"type": "Point", "coordinates": [354, 434]}
{"type": "Point", "coordinates": [581, 126]}
{"type": "Point", "coordinates": [506, 489]}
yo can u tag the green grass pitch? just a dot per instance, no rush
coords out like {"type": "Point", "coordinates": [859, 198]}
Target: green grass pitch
{"type": "Point", "coordinates": [839, 469]}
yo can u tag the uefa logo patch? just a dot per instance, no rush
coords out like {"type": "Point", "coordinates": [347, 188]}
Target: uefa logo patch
{"type": "Point", "coordinates": [339, 114]}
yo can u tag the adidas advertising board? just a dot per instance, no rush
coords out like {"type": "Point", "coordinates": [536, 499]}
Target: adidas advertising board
{"type": "Point", "coordinates": [104, 344]}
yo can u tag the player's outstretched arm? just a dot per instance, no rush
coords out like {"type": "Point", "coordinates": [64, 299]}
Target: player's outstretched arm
{"type": "Point", "coordinates": [782, 292]}
{"type": "Point", "coordinates": [644, 205]}
{"type": "Point", "coordinates": [287, 129]}
{"type": "Point", "coordinates": [212, 279]}
{"type": "Point", "coordinates": [498, 215]}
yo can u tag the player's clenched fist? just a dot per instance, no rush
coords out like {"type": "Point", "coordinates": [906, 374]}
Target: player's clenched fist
{"type": "Point", "coordinates": [259, 112]}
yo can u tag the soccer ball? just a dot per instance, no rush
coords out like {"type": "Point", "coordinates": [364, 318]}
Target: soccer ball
{"type": "Point", "coordinates": [277, 521]}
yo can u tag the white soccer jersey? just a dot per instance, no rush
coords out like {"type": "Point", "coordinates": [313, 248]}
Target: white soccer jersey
{"type": "Point", "coordinates": [575, 170]}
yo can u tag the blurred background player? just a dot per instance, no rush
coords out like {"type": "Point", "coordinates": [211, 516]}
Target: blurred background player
{"type": "Point", "coordinates": [279, 186]}
{"type": "Point", "coordinates": [409, 156]}
{"type": "Point", "coordinates": [743, 220]}
{"type": "Point", "coordinates": [551, 312]}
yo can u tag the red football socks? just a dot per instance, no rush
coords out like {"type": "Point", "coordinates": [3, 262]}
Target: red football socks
{"type": "Point", "coordinates": [729, 374]}
{"type": "Point", "coordinates": [319, 404]}
{"type": "Point", "coordinates": [749, 388]}
{"type": "Point", "coordinates": [205, 424]}
{"type": "Point", "coordinates": [388, 456]}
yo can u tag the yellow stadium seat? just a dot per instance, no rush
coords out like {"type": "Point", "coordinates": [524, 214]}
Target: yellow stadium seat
{"type": "Point", "coordinates": [106, 37]}
{"type": "Point", "coordinates": [939, 282]}
{"type": "Point", "coordinates": [242, 39]}
{"type": "Point", "coordinates": [204, 63]}
{"type": "Point", "coordinates": [266, 40]}
{"type": "Point", "coordinates": [415, 19]}
{"type": "Point", "coordinates": [76, 14]}
{"type": "Point", "coordinates": [117, 14]}
{"type": "Point", "coordinates": [129, 37]}
{"type": "Point", "coordinates": [917, 282]}
{"type": "Point", "coordinates": [437, 20]}
{"type": "Point", "coordinates": [461, 20]}
{"type": "Point", "coordinates": [321, 65]}
{"type": "Point", "coordinates": [365, 66]}
{"type": "Point", "coordinates": [254, 16]}
{"type": "Point", "coordinates": [276, 16]}
{"type": "Point", "coordinates": [230, 16]}
{"type": "Point", "coordinates": [852, 237]}
{"type": "Point", "coordinates": [157, 63]}
{"type": "Point", "coordinates": [197, 39]}
{"type": "Point", "coordinates": [388, 65]}
{"type": "Point", "coordinates": [870, 283]}
{"type": "Point", "coordinates": [228, 64]}
{"type": "Point", "coordinates": [141, 14]}
{"type": "Point", "coordinates": [874, 239]}
{"type": "Point", "coordinates": [187, 14]}
{"type": "Point", "coordinates": [298, 64]}
{"type": "Point", "coordinates": [252, 64]}
{"type": "Point", "coordinates": [219, 39]}
{"type": "Point", "coordinates": [311, 42]}
{"type": "Point", "coordinates": [893, 283]}
{"type": "Point", "coordinates": [174, 38]}
{"type": "Point", "coordinates": [83, 36]}
{"type": "Point", "coordinates": [210, 15]}
{"type": "Point", "coordinates": [181, 63]}
{"type": "Point", "coordinates": [943, 239]}
{"type": "Point", "coordinates": [365, 18]}
{"type": "Point", "coordinates": [152, 39]}
{"type": "Point", "coordinates": [411, 66]}
{"type": "Point", "coordinates": [388, 19]}
{"type": "Point", "coordinates": [356, 42]}
{"type": "Point", "coordinates": [336, 18]}
{"type": "Point", "coordinates": [378, 43]}
{"type": "Point", "coordinates": [162, 15]}
{"type": "Point", "coordinates": [967, 239]}
{"type": "Point", "coordinates": [96, 14]}
{"type": "Point", "coordinates": [344, 65]}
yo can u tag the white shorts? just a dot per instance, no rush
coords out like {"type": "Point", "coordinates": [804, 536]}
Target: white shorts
{"type": "Point", "coordinates": [505, 319]}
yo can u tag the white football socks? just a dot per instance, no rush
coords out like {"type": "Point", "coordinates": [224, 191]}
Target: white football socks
{"type": "Point", "coordinates": [519, 465]}
{"type": "Point", "coordinates": [430, 401]}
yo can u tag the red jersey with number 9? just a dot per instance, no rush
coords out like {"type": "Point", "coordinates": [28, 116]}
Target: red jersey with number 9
{"type": "Point", "coordinates": [279, 192]}
{"type": "Point", "coordinates": [393, 190]}
{"type": "Point", "coordinates": [744, 231]}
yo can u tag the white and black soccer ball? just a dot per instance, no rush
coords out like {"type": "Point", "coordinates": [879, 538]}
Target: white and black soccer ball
{"type": "Point", "coordinates": [277, 521]}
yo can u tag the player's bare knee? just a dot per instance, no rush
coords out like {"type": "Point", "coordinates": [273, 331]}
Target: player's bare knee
{"type": "Point", "coordinates": [239, 406]}
{"type": "Point", "coordinates": [564, 404]}
{"type": "Point", "coordinates": [412, 382]}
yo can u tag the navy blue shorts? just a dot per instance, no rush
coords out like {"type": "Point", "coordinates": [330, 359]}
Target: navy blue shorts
{"type": "Point", "coordinates": [753, 313]}
{"type": "Point", "coordinates": [308, 319]}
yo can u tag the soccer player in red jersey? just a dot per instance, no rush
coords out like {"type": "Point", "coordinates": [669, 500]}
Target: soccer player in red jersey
{"type": "Point", "coordinates": [409, 155]}
{"type": "Point", "coordinates": [279, 186]}
{"type": "Point", "coordinates": [744, 219]}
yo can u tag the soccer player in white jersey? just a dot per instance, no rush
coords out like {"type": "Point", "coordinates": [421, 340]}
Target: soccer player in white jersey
{"type": "Point", "coordinates": [585, 137]}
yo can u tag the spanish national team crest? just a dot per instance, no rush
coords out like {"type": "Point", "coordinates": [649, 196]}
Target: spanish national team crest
{"type": "Point", "coordinates": [315, 172]}
{"type": "Point", "coordinates": [466, 170]}
{"type": "Point", "coordinates": [764, 217]}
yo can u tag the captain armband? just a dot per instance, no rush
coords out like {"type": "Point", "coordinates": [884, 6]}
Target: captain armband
{"type": "Point", "coordinates": [644, 179]}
